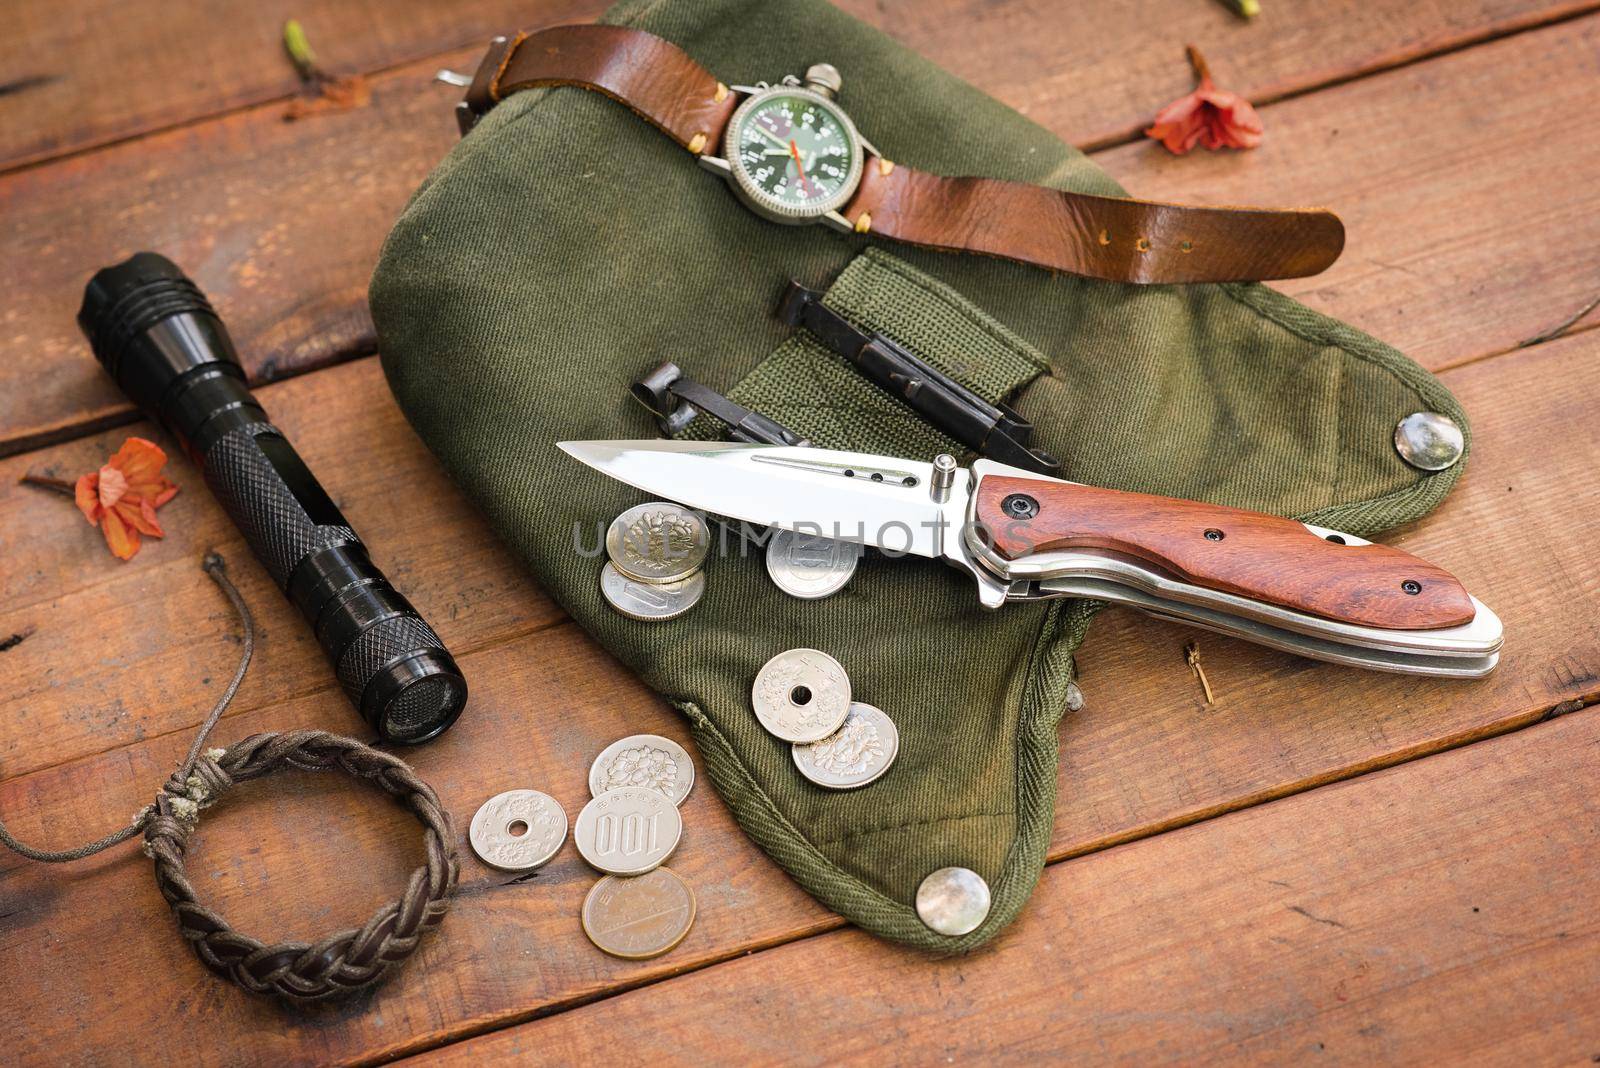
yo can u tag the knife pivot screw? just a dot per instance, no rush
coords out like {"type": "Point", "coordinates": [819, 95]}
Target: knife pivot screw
{"type": "Point", "coordinates": [1020, 506]}
{"type": "Point", "coordinates": [1411, 586]}
{"type": "Point", "coordinates": [944, 476]}
{"type": "Point", "coordinates": [1213, 534]}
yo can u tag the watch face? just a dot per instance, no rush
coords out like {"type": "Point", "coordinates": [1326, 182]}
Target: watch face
{"type": "Point", "coordinates": [793, 154]}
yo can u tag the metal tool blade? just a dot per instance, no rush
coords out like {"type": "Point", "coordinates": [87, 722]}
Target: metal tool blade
{"type": "Point", "coordinates": [847, 496]}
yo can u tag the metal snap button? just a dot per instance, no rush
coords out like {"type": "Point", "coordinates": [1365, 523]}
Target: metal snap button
{"type": "Point", "coordinates": [1429, 441]}
{"type": "Point", "coordinates": [953, 901]}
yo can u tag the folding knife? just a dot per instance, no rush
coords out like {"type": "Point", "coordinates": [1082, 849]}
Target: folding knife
{"type": "Point", "coordinates": [1025, 536]}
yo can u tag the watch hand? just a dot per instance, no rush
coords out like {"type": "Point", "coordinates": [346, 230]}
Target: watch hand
{"type": "Point", "coordinates": [794, 150]}
{"type": "Point", "coordinates": [768, 134]}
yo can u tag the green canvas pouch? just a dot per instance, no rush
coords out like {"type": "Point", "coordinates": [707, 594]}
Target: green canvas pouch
{"type": "Point", "coordinates": [565, 248]}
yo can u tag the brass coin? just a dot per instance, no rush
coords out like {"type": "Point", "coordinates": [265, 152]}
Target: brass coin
{"type": "Point", "coordinates": [658, 542]}
{"type": "Point", "coordinates": [641, 917]}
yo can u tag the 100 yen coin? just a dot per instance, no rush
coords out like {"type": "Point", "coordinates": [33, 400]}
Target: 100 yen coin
{"type": "Point", "coordinates": [809, 566]}
{"type": "Point", "coordinates": [639, 918]}
{"type": "Point", "coordinates": [647, 760]}
{"type": "Point", "coordinates": [651, 602]}
{"type": "Point", "coordinates": [658, 542]}
{"type": "Point", "coordinates": [627, 831]}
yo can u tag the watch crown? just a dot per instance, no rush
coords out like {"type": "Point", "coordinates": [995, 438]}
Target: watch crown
{"type": "Point", "coordinates": [824, 79]}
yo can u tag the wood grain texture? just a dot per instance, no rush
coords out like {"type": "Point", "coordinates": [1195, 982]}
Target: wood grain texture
{"type": "Point", "coordinates": [1468, 229]}
{"type": "Point", "coordinates": [1433, 913]}
{"type": "Point", "coordinates": [1266, 558]}
{"type": "Point", "coordinates": [86, 72]}
{"type": "Point", "coordinates": [91, 71]}
{"type": "Point", "coordinates": [280, 223]}
{"type": "Point", "coordinates": [1144, 755]}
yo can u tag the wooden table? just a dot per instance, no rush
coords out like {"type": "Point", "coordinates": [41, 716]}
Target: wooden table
{"type": "Point", "coordinates": [1323, 866]}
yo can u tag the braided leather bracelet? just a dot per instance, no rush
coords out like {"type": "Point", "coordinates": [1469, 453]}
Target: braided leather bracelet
{"type": "Point", "coordinates": [340, 963]}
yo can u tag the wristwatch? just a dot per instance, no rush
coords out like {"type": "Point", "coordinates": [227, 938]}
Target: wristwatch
{"type": "Point", "coordinates": [792, 154]}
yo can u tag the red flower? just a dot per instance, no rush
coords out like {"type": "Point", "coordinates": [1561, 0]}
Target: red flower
{"type": "Point", "coordinates": [1214, 116]}
{"type": "Point", "coordinates": [122, 497]}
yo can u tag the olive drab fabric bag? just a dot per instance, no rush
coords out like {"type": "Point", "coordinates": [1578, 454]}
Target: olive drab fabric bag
{"type": "Point", "coordinates": [565, 247]}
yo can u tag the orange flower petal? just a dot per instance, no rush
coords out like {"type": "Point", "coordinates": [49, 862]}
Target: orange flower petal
{"type": "Point", "coordinates": [113, 486]}
{"type": "Point", "coordinates": [87, 495]}
{"type": "Point", "coordinates": [167, 492]}
{"type": "Point", "coordinates": [140, 460]}
{"type": "Point", "coordinates": [123, 541]}
{"type": "Point", "coordinates": [139, 515]}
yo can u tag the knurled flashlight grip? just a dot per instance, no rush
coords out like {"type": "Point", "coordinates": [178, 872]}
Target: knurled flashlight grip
{"type": "Point", "coordinates": [156, 334]}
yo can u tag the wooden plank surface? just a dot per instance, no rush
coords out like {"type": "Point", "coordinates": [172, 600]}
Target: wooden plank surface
{"type": "Point", "coordinates": [281, 223]}
{"type": "Point", "coordinates": [1141, 757]}
{"type": "Point", "coordinates": [1436, 913]}
{"type": "Point", "coordinates": [91, 71]}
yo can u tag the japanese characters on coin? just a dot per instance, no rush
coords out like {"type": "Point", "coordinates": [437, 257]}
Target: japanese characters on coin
{"type": "Point", "coordinates": [647, 760]}
{"type": "Point", "coordinates": [809, 566]}
{"type": "Point", "coordinates": [641, 917]}
{"type": "Point", "coordinates": [855, 754]}
{"type": "Point", "coordinates": [628, 831]}
{"type": "Point", "coordinates": [658, 542]}
{"type": "Point", "coordinates": [650, 602]}
{"type": "Point", "coordinates": [801, 695]}
{"type": "Point", "coordinates": [519, 830]}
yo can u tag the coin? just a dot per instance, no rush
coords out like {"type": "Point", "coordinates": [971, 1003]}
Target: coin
{"type": "Point", "coordinates": [801, 695]}
{"type": "Point", "coordinates": [809, 566]}
{"type": "Point", "coordinates": [647, 760]}
{"type": "Point", "coordinates": [658, 542]}
{"type": "Point", "coordinates": [855, 754]}
{"type": "Point", "coordinates": [518, 830]}
{"type": "Point", "coordinates": [641, 917]}
{"type": "Point", "coordinates": [627, 831]}
{"type": "Point", "coordinates": [651, 602]}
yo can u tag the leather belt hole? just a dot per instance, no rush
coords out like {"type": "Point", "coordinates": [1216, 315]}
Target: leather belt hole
{"type": "Point", "coordinates": [1186, 246]}
{"type": "Point", "coordinates": [1105, 238]}
{"type": "Point", "coordinates": [1143, 244]}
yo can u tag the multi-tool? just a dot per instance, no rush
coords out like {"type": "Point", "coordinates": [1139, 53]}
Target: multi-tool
{"type": "Point", "coordinates": [1024, 536]}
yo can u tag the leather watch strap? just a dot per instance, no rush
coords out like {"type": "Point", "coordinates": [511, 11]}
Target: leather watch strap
{"type": "Point", "coordinates": [652, 76]}
{"type": "Point", "coordinates": [1102, 237]}
{"type": "Point", "coordinates": [1115, 238]}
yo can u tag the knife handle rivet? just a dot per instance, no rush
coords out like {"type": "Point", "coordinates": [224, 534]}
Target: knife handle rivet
{"type": "Point", "coordinates": [1213, 534]}
{"type": "Point", "coordinates": [1411, 586]}
{"type": "Point", "coordinates": [1020, 506]}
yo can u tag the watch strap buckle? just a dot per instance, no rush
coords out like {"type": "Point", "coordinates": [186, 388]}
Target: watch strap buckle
{"type": "Point", "coordinates": [483, 92]}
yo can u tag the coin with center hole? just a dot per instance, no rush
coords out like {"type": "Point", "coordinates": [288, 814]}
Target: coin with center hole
{"type": "Point", "coordinates": [809, 566]}
{"type": "Point", "coordinates": [855, 754]}
{"type": "Point", "coordinates": [650, 602]}
{"type": "Point", "coordinates": [627, 831]}
{"type": "Point", "coordinates": [641, 917]}
{"type": "Point", "coordinates": [519, 830]}
{"type": "Point", "coordinates": [658, 542]}
{"type": "Point", "coordinates": [801, 695]}
{"type": "Point", "coordinates": [647, 760]}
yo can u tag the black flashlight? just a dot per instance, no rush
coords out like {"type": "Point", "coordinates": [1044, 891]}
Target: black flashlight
{"type": "Point", "coordinates": [156, 334]}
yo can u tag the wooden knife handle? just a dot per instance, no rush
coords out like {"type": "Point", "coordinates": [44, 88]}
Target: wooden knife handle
{"type": "Point", "coordinates": [1263, 557]}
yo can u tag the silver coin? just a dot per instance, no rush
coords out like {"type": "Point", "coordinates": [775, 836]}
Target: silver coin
{"type": "Point", "coordinates": [651, 602]}
{"type": "Point", "coordinates": [647, 760]}
{"type": "Point", "coordinates": [855, 754]}
{"type": "Point", "coordinates": [801, 695]}
{"type": "Point", "coordinates": [658, 542]}
{"type": "Point", "coordinates": [628, 831]}
{"type": "Point", "coordinates": [519, 830]}
{"type": "Point", "coordinates": [809, 566]}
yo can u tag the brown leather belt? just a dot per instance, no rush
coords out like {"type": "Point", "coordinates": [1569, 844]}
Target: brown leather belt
{"type": "Point", "coordinates": [1116, 238]}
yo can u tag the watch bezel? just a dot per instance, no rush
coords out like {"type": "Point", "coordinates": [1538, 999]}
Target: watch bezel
{"type": "Point", "coordinates": [762, 202]}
